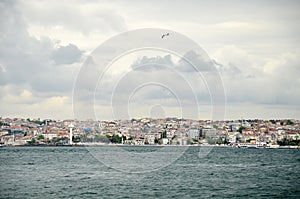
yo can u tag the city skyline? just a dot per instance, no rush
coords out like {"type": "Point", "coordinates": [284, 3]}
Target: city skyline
{"type": "Point", "coordinates": [254, 45]}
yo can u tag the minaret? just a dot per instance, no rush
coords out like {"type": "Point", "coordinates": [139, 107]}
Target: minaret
{"type": "Point", "coordinates": [71, 126]}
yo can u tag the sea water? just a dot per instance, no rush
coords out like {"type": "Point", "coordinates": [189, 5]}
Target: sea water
{"type": "Point", "coordinates": [76, 172]}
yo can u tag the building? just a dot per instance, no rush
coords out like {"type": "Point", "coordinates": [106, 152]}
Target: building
{"type": "Point", "coordinates": [195, 133]}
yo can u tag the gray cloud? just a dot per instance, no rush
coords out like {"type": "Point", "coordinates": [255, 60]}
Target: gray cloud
{"type": "Point", "coordinates": [275, 83]}
{"type": "Point", "coordinates": [200, 64]}
{"type": "Point", "coordinates": [184, 64]}
{"type": "Point", "coordinates": [31, 61]}
{"type": "Point", "coordinates": [67, 54]}
{"type": "Point", "coordinates": [152, 63]}
{"type": "Point", "coordinates": [37, 69]}
{"type": "Point", "coordinates": [155, 80]}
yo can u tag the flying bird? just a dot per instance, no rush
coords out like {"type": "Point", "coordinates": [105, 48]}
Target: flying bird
{"type": "Point", "coordinates": [164, 35]}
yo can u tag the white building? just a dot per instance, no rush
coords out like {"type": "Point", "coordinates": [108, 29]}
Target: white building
{"type": "Point", "coordinates": [194, 133]}
{"type": "Point", "coordinates": [150, 139]}
{"type": "Point", "coordinates": [165, 141]}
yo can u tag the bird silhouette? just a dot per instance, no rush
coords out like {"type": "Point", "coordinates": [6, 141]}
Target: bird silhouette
{"type": "Point", "coordinates": [164, 35]}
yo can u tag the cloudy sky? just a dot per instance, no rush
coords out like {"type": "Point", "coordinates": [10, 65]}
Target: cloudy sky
{"type": "Point", "coordinates": [254, 45]}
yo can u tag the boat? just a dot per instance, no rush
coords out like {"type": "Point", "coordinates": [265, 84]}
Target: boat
{"type": "Point", "coordinates": [273, 146]}
{"type": "Point", "coordinates": [252, 145]}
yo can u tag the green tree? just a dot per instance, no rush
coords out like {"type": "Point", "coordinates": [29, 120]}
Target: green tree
{"type": "Point", "coordinates": [76, 139]}
{"type": "Point", "coordinates": [241, 129]}
{"type": "Point", "coordinates": [273, 121]}
{"type": "Point", "coordinates": [32, 141]}
{"type": "Point", "coordinates": [102, 138]}
{"type": "Point", "coordinates": [211, 141]}
{"type": "Point", "coordinates": [289, 122]}
{"type": "Point", "coordinates": [41, 137]}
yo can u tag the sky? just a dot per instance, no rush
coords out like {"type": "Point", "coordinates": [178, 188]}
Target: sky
{"type": "Point", "coordinates": [253, 49]}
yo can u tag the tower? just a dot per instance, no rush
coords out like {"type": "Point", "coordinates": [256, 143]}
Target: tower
{"type": "Point", "coordinates": [71, 126]}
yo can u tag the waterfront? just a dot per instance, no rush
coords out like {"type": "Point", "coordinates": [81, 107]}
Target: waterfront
{"type": "Point", "coordinates": [72, 172]}
{"type": "Point", "coordinates": [147, 131]}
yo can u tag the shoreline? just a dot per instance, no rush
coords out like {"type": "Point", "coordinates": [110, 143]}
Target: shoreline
{"type": "Point", "coordinates": [158, 146]}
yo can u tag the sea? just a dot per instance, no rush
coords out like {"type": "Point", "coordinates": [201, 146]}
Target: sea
{"type": "Point", "coordinates": [148, 172]}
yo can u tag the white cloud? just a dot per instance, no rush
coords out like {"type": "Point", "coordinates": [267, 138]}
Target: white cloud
{"type": "Point", "coordinates": [274, 82]}
{"type": "Point", "coordinates": [85, 24]}
{"type": "Point", "coordinates": [83, 18]}
{"type": "Point", "coordinates": [254, 44]}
